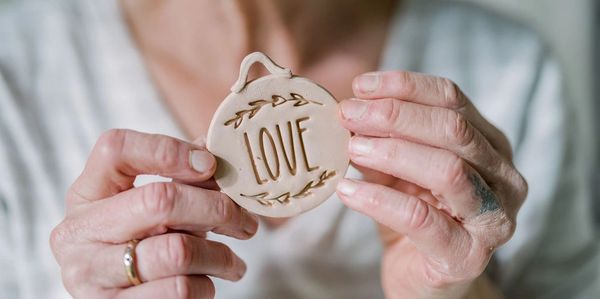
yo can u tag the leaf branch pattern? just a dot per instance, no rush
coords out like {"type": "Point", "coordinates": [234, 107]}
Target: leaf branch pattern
{"type": "Point", "coordinates": [276, 100]}
{"type": "Point", "coordinates": [284, 198]}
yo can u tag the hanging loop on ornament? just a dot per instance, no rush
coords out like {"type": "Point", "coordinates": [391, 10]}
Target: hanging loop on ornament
{"type": "Point", "coordinates": [249, 61]}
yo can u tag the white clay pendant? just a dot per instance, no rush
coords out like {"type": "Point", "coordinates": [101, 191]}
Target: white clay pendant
{"type": "Point", "coordinates": [280, 147]}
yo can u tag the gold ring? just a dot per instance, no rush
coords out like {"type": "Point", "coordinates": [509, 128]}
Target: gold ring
{"type": "Point", "coordinates": [129, 262]}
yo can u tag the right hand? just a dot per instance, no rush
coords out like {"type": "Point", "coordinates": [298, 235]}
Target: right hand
{"type": "Point", "coordinates": [104, 211]}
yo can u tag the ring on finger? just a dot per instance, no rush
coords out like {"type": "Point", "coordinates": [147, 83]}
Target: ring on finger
{"type": "Point", "coordinates": [129, 260]}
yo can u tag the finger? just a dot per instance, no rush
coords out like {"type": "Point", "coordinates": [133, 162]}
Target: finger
{"type": "Point", "coordinates": [120, 155]}
{"type": "Point", "coordinates": [427, 90]}
{"type": "Point", "coordinates": [169, 255]}
{"type": "Point", "coordinates": [203, 183]}
{"type": "Point", "coordinates": [433, 126]}
{"type": "Point", "coordinates": [431, 231]}
{"type": "Point", "coordinates": [174, 254]}
{"type": "Point", "coordinates": [200, 287]}
{"type": "Point", "coordinates": [155, 208]}
{"type": "Point", "coordinates": [458, 187]}
{"type": "Point", "coordinates": [455, 250]}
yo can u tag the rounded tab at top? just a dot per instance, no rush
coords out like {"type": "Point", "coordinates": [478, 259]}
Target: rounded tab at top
{"type": "Point", "coordinates": [249, 61]}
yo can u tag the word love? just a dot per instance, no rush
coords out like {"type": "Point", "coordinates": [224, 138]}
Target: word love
{"type": "Point", "coordinates": [280, 146]}
{"type": "Point", "coordinates": [276, 145]}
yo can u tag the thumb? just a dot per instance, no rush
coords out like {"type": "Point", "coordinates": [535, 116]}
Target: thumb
{"type": "Point", "coordinates": [210, 184]}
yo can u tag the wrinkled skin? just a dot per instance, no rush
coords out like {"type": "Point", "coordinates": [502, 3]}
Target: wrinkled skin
{"type": "Point", "coordinates": [105, 211]}
{"type": "Point", "coordinates": [445, 192]}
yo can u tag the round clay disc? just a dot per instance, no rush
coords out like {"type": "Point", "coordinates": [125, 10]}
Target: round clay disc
{"type": "Point", "coordinates": [280, 147]}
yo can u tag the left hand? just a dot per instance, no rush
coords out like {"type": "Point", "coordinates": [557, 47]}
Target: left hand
{"type": "Point", "coordinates": [445, 193]}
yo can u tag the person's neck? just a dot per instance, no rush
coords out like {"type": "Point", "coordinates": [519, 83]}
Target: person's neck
{"type": "Point", "coordinates": [295, 33]}
{"type": "Point", "coordinates": [193, 48]}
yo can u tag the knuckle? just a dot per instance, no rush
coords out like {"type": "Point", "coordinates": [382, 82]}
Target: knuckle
{"type": "Point", "coordinates": [404, 83]}
{"type": "Point", "coordinates": [183, 287]}
{"type": "Point", "coordinates": [418, 213]}
{"type": "Point", "coordinates": [179, 251]}
{"type": "Point", "coordinates": [57, 238]}
{"type": "Point", "coordinates": [453, 96]}
{"type": "Point", "coordinates": [456, 173]}
{"type": "Point", "coordinates": [167, 153]}
{"type": "Point", "coordinates": [516, 190]}
{"type": "Point", "coordinates": [391, 110]}
{"type": "Point", "coordinates": [460, 131]}
{"type": "Point", "coordinates": [159, 199]}
{"type": "Point", "coordinates": [522, 187]}
{"type": "Point", "coordinates": [110, 144]}
{"type": "Point", "coordinates": [506, 230]}
{"type": "Point", "coordinates": [223, 210]}
{"type": "Point", "coordinates": [61, 237]}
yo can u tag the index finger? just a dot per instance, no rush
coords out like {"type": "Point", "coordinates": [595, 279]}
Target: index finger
{"type": "Point", "coordinates": [120, 155]}
{"type": "Point", "coordinates": [409, 86]}
{"type": "Point", "coordinates": [430, 91]}
{"type": "Point", "coordinates": [156, 208]}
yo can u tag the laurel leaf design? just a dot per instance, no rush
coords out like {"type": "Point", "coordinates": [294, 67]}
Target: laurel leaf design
{"type": "Point", "coordinates": [252, 113]}
{"type": "Point", "coordinates": [300, 103]}
{"type": "Point", "coordinates": [238, 122]}
{"type": "Point", "coordinates": [229, 122]}
{"type": "Point", "coordinates": [264, 198]}
{"type": "Point", "coordinates": [257, 105]}
{"type": "Point", "coordinates": [278, 100]}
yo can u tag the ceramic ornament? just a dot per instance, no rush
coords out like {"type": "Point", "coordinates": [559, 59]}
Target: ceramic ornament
{"type": "Point", "coordinates": [280, 147]}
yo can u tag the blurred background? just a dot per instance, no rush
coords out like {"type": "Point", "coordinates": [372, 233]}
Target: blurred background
{"type": "Point", "coordinates": [572, 28]}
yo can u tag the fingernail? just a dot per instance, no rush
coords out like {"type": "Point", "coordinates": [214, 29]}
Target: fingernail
{"type": "Point", "coordinates": [249, 222]}
{"type": "Point", "coordinates": [368, 83]}
{"type": "Point", "coordinates": [243, 269]}
{"type": "Point", "coordinates": [201, 161]}
{"type": "Point", "coordinates": [361, 145]}
{"type": "Point", "coordinates": [346, 187]}
{"type": "Point", "coordinates": [354, 109]}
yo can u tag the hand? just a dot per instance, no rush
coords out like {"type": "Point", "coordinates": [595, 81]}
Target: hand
{"type": "Point", "coordinates": [171, 220]}
{"type": "Point", "coordinates": [445, 191]}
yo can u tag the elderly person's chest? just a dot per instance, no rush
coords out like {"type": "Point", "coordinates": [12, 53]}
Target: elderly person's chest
{"type": "Point", "coordinates": [193, 98]}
